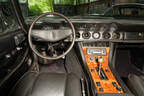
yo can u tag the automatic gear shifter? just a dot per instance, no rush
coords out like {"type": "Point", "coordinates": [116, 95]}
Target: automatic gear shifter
{"type": "Point", "coordinates": [100, 61]}
{"type": "Point", "coordinates": [105, 81]}
{"type": "Point", "coordinates": [99, 68]}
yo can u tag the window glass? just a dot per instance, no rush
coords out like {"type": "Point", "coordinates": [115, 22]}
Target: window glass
{"type": "Point", "coordinates": [7, 18]}
{"type": "Point", "coordinates": [36, 7]}
{"type": "Point", "coordinates": [129, 11]}
{"type": "Point", "coordinates": [32, 8]}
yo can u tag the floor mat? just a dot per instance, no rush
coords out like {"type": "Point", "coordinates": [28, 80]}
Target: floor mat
{"type": "Point", "coordinates": [73, 65]}
{"type": "Point", "coordinates": [124, 66]}
{"type": "Point", "coordinates": [54, 66]}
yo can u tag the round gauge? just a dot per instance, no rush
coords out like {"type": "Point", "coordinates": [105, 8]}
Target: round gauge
{"type": "Point", "coordinates": [96, 35]}
{"type": "Point", "coordinates": [86, 35]}
{"type": "Point", "coordinates": [106, 35]}
{"type": "Point", "coordinates": [115, 35]}
{"type": "Point", "coordinates": [104, 27]}
{"type": "Point", "coordinates": [113, 27]}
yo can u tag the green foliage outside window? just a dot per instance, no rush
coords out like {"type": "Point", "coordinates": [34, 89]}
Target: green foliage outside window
{"type": "Point", "coordinates": [36, 7]}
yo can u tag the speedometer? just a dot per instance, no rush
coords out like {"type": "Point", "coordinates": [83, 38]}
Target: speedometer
{"type": "Point", "coordinates": [104, 27]}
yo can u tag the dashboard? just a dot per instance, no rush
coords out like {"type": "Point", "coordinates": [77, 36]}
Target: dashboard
{"type": "Point", "coordinates": [91, 31]}
{"type": "Point", "coordinates": [97, 32]}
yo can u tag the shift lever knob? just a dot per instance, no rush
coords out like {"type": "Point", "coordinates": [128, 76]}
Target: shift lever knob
{"type": "Point", "coordinates": [101, 60]}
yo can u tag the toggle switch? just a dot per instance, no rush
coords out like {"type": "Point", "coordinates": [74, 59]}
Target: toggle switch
{"type": "Point", "coordinates": [91, 58]}
{"type": "Point", "coordinates": [97, 60]}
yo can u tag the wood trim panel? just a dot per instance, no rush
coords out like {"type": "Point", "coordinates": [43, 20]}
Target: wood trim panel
{"type": "Point", "coordinates": [105, 85]}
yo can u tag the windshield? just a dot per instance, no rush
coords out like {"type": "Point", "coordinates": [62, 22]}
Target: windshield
{"type": "Point", "coordinates": [83, 7]}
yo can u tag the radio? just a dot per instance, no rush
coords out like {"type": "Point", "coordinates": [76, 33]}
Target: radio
{"type": "Point", "coordinates": [96, 51]}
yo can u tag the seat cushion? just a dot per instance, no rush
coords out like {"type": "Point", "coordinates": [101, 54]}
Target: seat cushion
{"type": "Point", "coordinates": [47, 84]}
{"type": "Point", "coordinates": [136, 84]}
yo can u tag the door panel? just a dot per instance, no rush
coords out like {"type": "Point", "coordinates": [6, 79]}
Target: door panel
{"type": "Point", "coordinates": [12, 61]}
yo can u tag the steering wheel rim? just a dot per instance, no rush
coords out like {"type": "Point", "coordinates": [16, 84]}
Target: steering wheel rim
{"type": "Point", "coordinates": [30, 39]}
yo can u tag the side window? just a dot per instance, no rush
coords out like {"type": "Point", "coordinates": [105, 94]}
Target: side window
{"type": "Point", "coordinates": [0, 25]}
{"type": "Point", "coordinates": [7, 18]}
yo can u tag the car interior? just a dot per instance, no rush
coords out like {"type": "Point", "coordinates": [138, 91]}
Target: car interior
{"type": "Point", "coordinates": [71, 48]}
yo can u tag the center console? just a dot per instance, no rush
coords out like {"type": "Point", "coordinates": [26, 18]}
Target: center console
{"type": "Point", "coordinates": [97, 60]}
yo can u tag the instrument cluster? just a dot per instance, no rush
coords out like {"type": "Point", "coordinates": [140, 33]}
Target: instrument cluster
{"type": "Point", "coordinates": [97, 31]}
